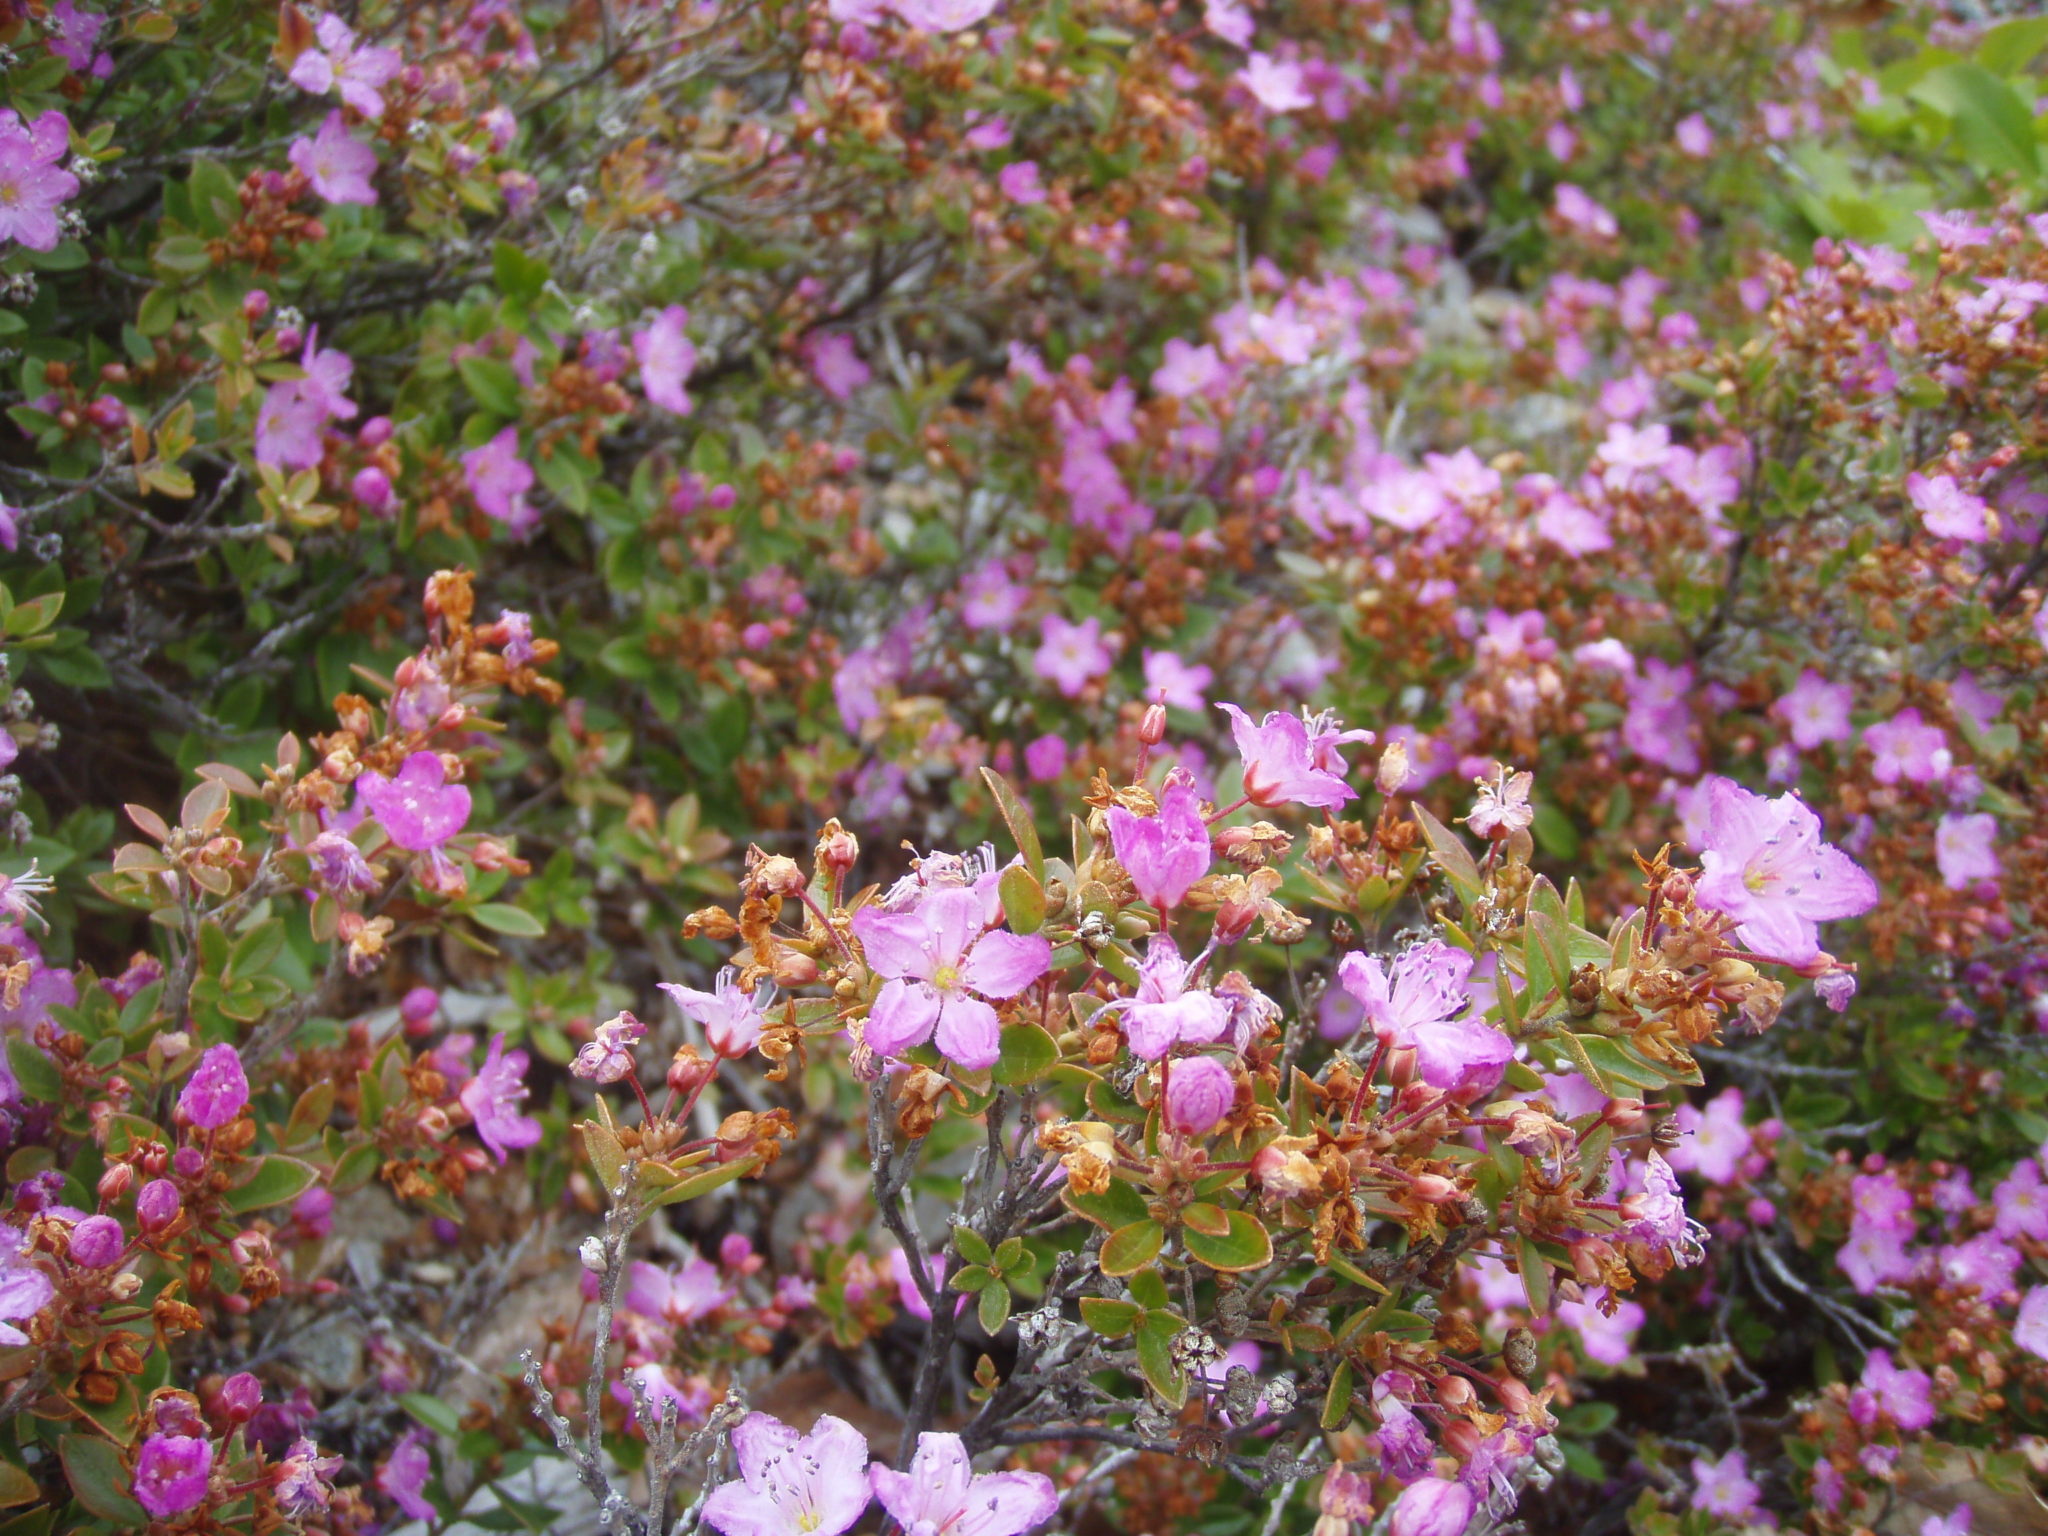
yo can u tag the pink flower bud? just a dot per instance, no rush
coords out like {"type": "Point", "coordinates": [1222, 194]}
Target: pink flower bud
{"type": "Point", "coordinates": [115, 1182]}
{"type": "Point", "coordinates": [375, 432]}
{"type": "Point", "coordinates": [188, 1163]}
{"type": "Point", "coordinates": [1200, 1092]}
{"type": "Point", "coordinates": [372, 490]}
{"type": "Point", "coordinates": [255, 305]}
{"type": "Point", "coordinates": [157, 1205]}
{"type": "Point", "coordinates": [1432, 1507]}
{"type": "Point", "coordinates": [217, 1090]}
{"type": "Point", "coordinates": [240, 1396]}
{"type": "Point", "coordinates": [97, 1243]}
{"type": "Point", "coordinates": [417, 1008]}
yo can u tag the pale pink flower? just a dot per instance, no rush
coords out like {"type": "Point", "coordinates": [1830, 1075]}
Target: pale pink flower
{"type": "Point", "coordinates": [942, 1494]}
{"type": "Point", "coordinates": [791, 1484]}
{"type": "Point", "coordinates": [941, 963]}
{"type": "Point", "coordinates": [338, 164]}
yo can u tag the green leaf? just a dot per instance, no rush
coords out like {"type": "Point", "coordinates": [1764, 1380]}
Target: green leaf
{"type": "Point", "coordinates": [1616, 1063]}
{"type": "Point", "coordinates": [691, 1186]}
{"type": "Point", "coordinates": [185, 254]}
{"type": "Point", "coordinates": [99, 1481]}
{"type": "Point", "coordinates": [431, 1412]}
{"type": "Point", "coordinates": [1245, 1246]}
{"type": "Point", "coordinates": [1992, 124]}
{"type": "Point", "coordinates": [993, 1310]}
{"type": "Point", "coordinates": [492, 384]}
{"type": "Point", "coordinates": [1535, 1276]}
{"type": "Point", "coordinates": [1148, 1289]}
{"type": "Point", "coordinates": [1337, 1401]}
{"type": "Point", "coordinates": [1130, 1249]}
{"type": "Point", "coordinates": [972, 1246]}
{"type": "Point", "coordinates": [1111, 1319]}
{"type": "Point", "coordinates": [1017, 817]}
{"type": "Point", "coordinates": [1023, 899]}
{"type": "Point", "coordinates": [1028, 1053]}
{"type": "Point", "coordinates": [1155, 1356]}
{"type": "Point", "coordinates": [1117, 1206]}
{"type": "Point", "coordinates": [1451, 855]}
{"type": "Point", "coordinates": [38, 1077]}
{"type": "Point", "coordinates": [16, 1486]}
{"type": "Point", "coordinates": [2011, 46]}
{"type": "Point", "coordinates": [519, 276]}
{"type": "Point", "coordinates": [516, 922]}
{"type": "Point", "coordinates": [276, 1179]}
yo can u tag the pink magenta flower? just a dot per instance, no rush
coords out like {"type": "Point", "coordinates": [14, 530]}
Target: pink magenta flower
{"type": "Point", "coordinates": [1694, 137]}
{"type": "Point", "coordinates": [493, 1098]}
{"type": "Point", "coordinates": [404, 1476]}
{"type": "Point", "coordinates": [835, 365]}
{"type": "Point", "coordinates": [1165, 1011]}
{"type": "Point", "coordinates": [1815, 710]}
{"type": "Point", "coordinates": [1966, 849]}
{"type": "Point", "coordinates": [305, 1478]}
{"type": "Point", "coordinates": [666, 357]}
{"type": "Point", "coordinates": [1167, 853]}
{"type": "Point", "coordinates": [171, 1474]}
{"type": "Point", "coordinates": [1284, 764]}
{"type": "Point", "coordinates": [1200, 1092]}
{"type": "Point", "coordinates": [1906, 747]}
{"type": "Point", "coordinates": [1947, 510]}
{"type": "Point", "coordinates": [610, 1056]}
{"type": "Point", "coordinates": [417, 808]}
{"type": "Point", "coordinates": [1045, 758]}
{"type": "Point", "coordinates": [97, 1242]}
{"type": "Point", "coordinates": [216, 1091]}
{"type": "Point", "coordinates": [1724, 1487]}
{"type": "Point", "coordinates": [24, 1289]}
{"type": "Point", "coordinates": [674, 1296]}
{"type": "Point", "coordinates": [791, 1484]}
{"type": "Point", "coordinates": [499, 480]}
{"type": "Point", "coordinates": [1904, 1396]}
{"type": "Point", "coordinates": [1762, 863]}
{"type": "Point", "coordinates": [1419, 1004]}
{"type": "Point", "coordinates": [1071, 656]}
{"type": "Point", "coordinates": [1715, 1138]}
{"type": "Point", "coordinates": [945, 15]}
{"type": "Point", "coordinates": [32, 178]}
{"type": "Point", "coordinates": [1186, 370]}
{"type": "Point", "coordinates": [2030, 1328]}
{"type": "Point", "coordinates": [1431, 1506]}
{"type": "Point", "coordinates": [337, 163]}
{"type": "Point", "coordinates": [337, 61]}
{"type": "Point", "coordinates": [1020, 184]}
{"type": "Point", "coordinates": [731, 1018]}
{"type": "Point", "coordinates": [942, 1494]}
{"type": "Point", "coordinates": [1274, 85]}
{"type": "Point", "coordinates": [1181, 684]}
{"type": "Point", "coordinates": [940, 965]}
{"type": "Point", "coordinates": [72, 35]}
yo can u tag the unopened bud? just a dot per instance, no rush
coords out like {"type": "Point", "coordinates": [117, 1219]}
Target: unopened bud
{"type": "Point", "coordinates": [590, 1253]}
{"type": "Point", "coordinates": [1152, 729]}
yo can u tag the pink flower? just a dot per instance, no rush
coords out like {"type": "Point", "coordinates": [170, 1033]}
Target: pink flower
{"type": "Point", "coordinates": [666, 358]}
{"type": "Point", "coordinates": [731, 1018]}
{"type": "Point", "coordinates": [609, 1057]}
{"type": "Point", "coordinates": [1045, 758]}
{"type": "Point", "coordinates": [834, 363]}
{"type": "Point", "coordinates": [2030, 1328]}
{"type": "Point", "coordinates": [674, 1296]}
{"type": "Point", "coordinates": [72, 35]}
{"type": "Point", "coordinates": [1228, 20]}
{"type": "Point", "coordinates": [1905, 747]}
{"type": "Point", "coordinates": [1762, 863]}
{"type": "Point", "coordinates": [417, 808]}
{"type": "Point", "coordinates": [493, 1098]}
{"type": "Point", "coordinates": [337, 163]}
{"type": "Point", "coordinates": [1724, 1487]}
{"type": "Point", "coordinates": [305, 1478]}
{"type": "Point", "coordinates": [1276, 86]}
{"type": "Point", "coordinates": [1905, 1397]}
{"type": "Point", "coordinates": [32, 180]}
{"type": "Point", "coordinates": [1020, 184]}
{"type": "Point", "coordinates": [1431, 1506]}
{"type": "Point", "coordinates": [404, 1476]}
{"type": "Point", "coordinates": [1187, 370]}
{"type": "Point", "coordinates": [1609, 1340]}
{"type": "Point", "coordinates": [1659, 724]}
{"type": "Point", "coordinates": [1815, 710]}
{"type": "Point", "coordinates": [1071, 656]}
{"type": "Point", "coordinates": [1418, 1006]}
{"type": "Point", "coordinates": [1947, 510]}
{"type": "Point", "coordinates": [1167, 853]}
{"type": "Point", "coordinates": [1580, 212]}
{"type": "Point", "coordinates": [1284, 764]}
{"type": "Point", "coordinates": [941, 965]}
{"type": "Point", "coordinates": [1966, 851]}
{"type": "Point", "coordinates": [990, 599]}
{"type": "Point", "coordinates": [1200, 1092]}
{"type": "Point", "coordinates": [499, 480]}
{"type": "Point", "coordinates": [217, 1090]}
{"type": "Point", "coordinates": [24, 1289]}
{"type": "Point", "coordinates": [171, 1474]}
{"type": "Point", "coordinates": [1182, 685]}
{"type": "Point", "coordinates": [337, 61]}
{"type": "Point", "coordinates": [1694, 137]}
{"type": "Point", "coordinates": [1165, 1011]}
{"type": "Point", "coordinates": [941, 1492]}
{"type": "Point", "coordinates": [908, 1296]}
{"type": "Point", "coordinates": [1716, 1139]}
{"type": "Point", "coordinates": [791, 1484]}
{"type": "Point", "coordinates": [2021, 1203]}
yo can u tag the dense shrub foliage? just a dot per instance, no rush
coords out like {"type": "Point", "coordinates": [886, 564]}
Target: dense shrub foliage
{"type": "Point", "coordinates": [977, 766]}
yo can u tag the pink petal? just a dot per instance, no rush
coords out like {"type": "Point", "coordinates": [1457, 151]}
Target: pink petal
{"type": "Point", "coordinates": [969, 1033]}
{"type": "Point", "coordinates": [1003, 964]}
{"type": "Point", "coordinates": [903, 1017]}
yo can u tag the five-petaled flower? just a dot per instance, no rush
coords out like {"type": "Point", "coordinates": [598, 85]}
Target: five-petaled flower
{"type": "Point", "coordinates": [493, 1098]}
{"type": "Point", "coordinates": [32, 178]}
{"type": "Point", "coordinates": [942, 1495]}
{"type": "Point", "coordinates": [1285, 763]}
{"type": "Point", "coordinates": [940, 965]}
{"type": "Point", "coordinates": [1762, 863]}
{"type": "Point", "coordinates": [791, 1484]}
